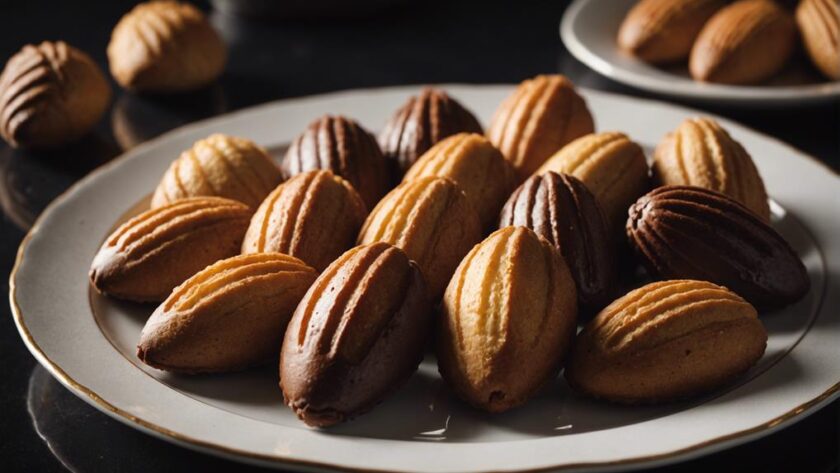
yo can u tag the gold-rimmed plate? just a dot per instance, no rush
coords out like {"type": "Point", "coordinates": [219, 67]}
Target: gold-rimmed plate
{"type": "Point", "coordinates": [87, 341]}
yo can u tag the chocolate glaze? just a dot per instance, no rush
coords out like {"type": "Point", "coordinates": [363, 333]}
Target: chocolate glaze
{"type": "Point", "coordinates": [342, 146]}
{"type": "Point", "coordinates": [421, 122]}
{"type": "Point", "coordinates": [560, 208]}
{"type": "Point", "coordinates": [684, 232]}
{"type": "Point", "coordinates": [356, 336]}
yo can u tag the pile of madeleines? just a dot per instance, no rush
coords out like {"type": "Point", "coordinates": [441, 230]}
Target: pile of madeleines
{"type": "Point", "coordinates": [492, 248]}
{"type": "Point", "coordinates": [740, 42]}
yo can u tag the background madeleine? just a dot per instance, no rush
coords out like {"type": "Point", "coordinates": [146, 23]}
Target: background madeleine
{"type": "Point", "coordinates": [314, 216]}
{"type": "Point", "coordinates": [819, 25]}
{"type": "Point", "coordinates": [476, 166]}
{"type": "Point", "coordinates": [165, 46]}
{"type": "Point", "coordinates": [423, 121]}
{"type": "Point", "coordinates": [228, 316]}
{"type": "Point", "coordinates": [559, 208]}
{"type": "Point", "coordinates": [340, 145]}
{"type": "Point", "coordinates": [508, 317]}
{"type": "Point", "coordinates": [536, 120]}
{"type": "Point", "coordinates": [356, 336]}
{"type": "Point", "coordinates": [611, 166]}
{"type": "Point", "coordinates": [743, 43]}
{"type": "Point", "coordinates": [50, 94]}
{"type": "Point", "coordinates": [661, 31]}
{"type": "Point", "coordinates": [666, 341]}
{"type": "Point", "coordinates": [683, 232]}
{"type": "Point", "coordinates": [432, 221]}
{"type": "Point", "coordinates": [146, 257]}
{"type": "Point", "coordinates": [701, 153]}
{"type": "Point", "coordinates": [222, 166]}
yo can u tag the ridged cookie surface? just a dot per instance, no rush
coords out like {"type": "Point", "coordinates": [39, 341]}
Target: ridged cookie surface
{"type": "Point", "coordinates": [314, 216]}
{"type": "Point", "coordinates": [228, 316]}
{"type": "Point", "coordinates": [508, 318]}
{"type": "Point", "coordinates": [356, 336]}
{"type": "Point", "coordinates": [542, 115]}
{"type": "Point", "coordinates": [146, 257]}
{"type": "Point", "coordinates": [666, 341]}
{"type": "Point", "coordinates": [222, 166]}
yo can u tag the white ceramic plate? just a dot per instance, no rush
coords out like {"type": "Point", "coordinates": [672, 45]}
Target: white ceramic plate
{"type": "Point", "coordinates": [589, 29]}
{"type": "Point", "coordinates": [87, 341]}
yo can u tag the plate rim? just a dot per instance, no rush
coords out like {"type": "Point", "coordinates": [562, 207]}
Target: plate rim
{"type": "Point", "coordinates": [278, 460]}
{"type": "Point", "coordinates": [754, 95]}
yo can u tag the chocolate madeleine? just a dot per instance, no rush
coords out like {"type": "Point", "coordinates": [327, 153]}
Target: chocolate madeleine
{"type": "Point", "coordinates": [146, 257]}
{"type": "Point", "coordinates": [314, 216]}
{"type": "Point", "coordinates": [228, 316]}
{"type": "Point", "coordinates": [420, 123]}
{"type": "Point", "coordinates": [665, 341]}
{"type": "Point", "coordinates": [356, 336]}
{"type": "Point", "coordinates": [559, 208]}
{"type": "Point", "coordinates": [342, 146]}
{"type": "Point", "coordinates": [683, 232]}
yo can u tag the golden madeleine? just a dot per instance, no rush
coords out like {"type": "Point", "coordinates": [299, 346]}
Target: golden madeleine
{"type": "Point", "coordinates": [476, 166]}
{"type": "Point", "coordinates": [665, 341]}
{"type": "Point", "coordinates": [537, 119]}
{"type": "Point", "coordinates": [432, 221]}
{"type": "Point", "coordinates": [221, 166]}
{"type": "Point", "coordinates": [507, 320]}
{"type": "Point", "coordinates": [314, 216]}
{"type": "Point", "coordinates": [228, 316]}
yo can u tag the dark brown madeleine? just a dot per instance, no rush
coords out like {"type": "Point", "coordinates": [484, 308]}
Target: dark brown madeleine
{"type": "Point", "coordinates": [356, 336]}
{"type": "Point", "coordinates": [559, 208]}
{"type": "Point", "coordinates": [422, 121]}
{"type": "Point", "coordinates": [342, 146]}
{"type": "Point", "coordinates": [683, 232]}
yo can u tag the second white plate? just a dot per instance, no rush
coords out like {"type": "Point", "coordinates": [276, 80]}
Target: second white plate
{"type": "Point", "coordinates": [589, 29]}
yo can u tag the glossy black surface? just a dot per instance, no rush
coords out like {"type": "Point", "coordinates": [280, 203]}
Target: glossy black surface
{"type": "Point", "coordinates": [46, 428]}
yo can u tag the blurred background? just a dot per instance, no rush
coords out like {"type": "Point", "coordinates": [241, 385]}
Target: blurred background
{"type": "Point", "coordinates": [281, 49]}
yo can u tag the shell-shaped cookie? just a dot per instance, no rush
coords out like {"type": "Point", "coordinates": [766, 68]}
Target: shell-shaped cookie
{"type": "Point", "coordinates": [701, 153]}
{"type": "Point", "coordinates": [359, 332]}
{"type": "Point", "coordinates": [508, 318]}
{"type": "Point", "coordinates": [559, 208]}
{"type": "Point", "coordinates": [432, 221]}
{"type": "Point", "coordinates": [819, 24]}
{"type": "Point", "coordinates": [228, 316]}
{"type": "Point", "coordinates": [342, 146]}
{"type": "Point", "coordinates": [611, 166]}
{"type": "Point", "coordinates": [745, 42]}
{"type": "Point", "coordinates": [540, 117]}
{"type": "Point", "coordinates": [694, 233]}
{"type": "Point", "coordinates": [50, 94]}
{"type": "Point", "coordinates": [146, 257]}
{"type": "Point", "coordinates": [314, 216]}
{"type": "Point", "coordinates": [662, 31]}
{"type": "Point", "coordinates": [222, 166]}
{"type": "Point", "coordinates": [665, 341]}
{"type": "Point", "coordinates": [165, 46]}
{"type": "Point", "coordinates": [478, 168]}
{"type": "Point", "coordinates": [421, 122]}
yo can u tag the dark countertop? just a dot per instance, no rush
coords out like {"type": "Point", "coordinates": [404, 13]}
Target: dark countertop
{"type": "Point", "coordinates": [46, 428]}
